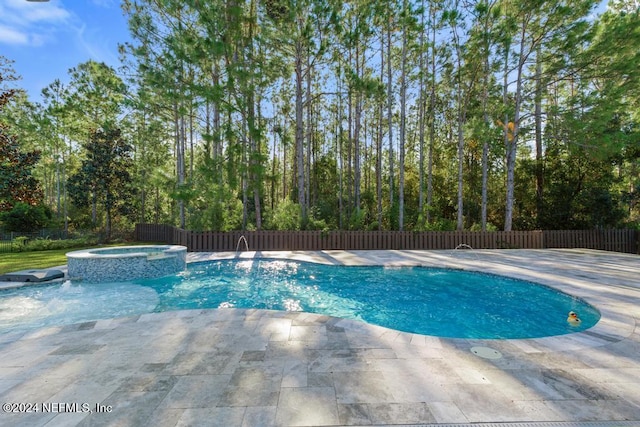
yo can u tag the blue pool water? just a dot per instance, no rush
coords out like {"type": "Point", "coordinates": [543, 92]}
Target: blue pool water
{"type": "Point", "coordinates": [441, 302]}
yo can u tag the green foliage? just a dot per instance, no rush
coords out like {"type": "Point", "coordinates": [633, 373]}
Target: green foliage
{"type": "Point", "coordinates": [216, 214]}
{"type": "Point", "coordinates": [478, 227]}
{"type": "Point", "coordinates": [390, 217]}
{"type": "Point", "coordinates": [19, 243]}
{"type": "Point", "coordinates": [286, 216]}
{"type": "Point", "coordinates": [440, 224]}
{"type": "Point", "coordinates": [24, 217]}
{"type": "Point", "coordinates": [580, 193]}
{"type": "Point", "coordinates": [279, 102]}
{"type": "Point", "coordinates": [326, 206]}
{"type": "Point", "coordinates": [598, 208]}
{"type": "Point", "coordinates": [233, 214]}
{"type": "Point", "coordinates": [96, 96]}
{"type": "Point", "coordinates": [46, 244]}
{"type": "Point", "coordinates": [25, 244]}
{"type": "Point", "coordinates": [104, 177]}
{"type": "Point", "coordinates": [358, 219]}
{"type": "Point", "coordinates": [212, 205]}
{"type": "Point", "coordinates": [277, 9]}
{"type": "Point", "coordinates": [17, 184]}
{"type": "Point", "coordinates": [316, 223]}
{"type": "Point", "coordinates": [16, 181]}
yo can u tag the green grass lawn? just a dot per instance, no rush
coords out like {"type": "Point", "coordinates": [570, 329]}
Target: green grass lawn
{"type": "Point", "coordinates": [15, 261]}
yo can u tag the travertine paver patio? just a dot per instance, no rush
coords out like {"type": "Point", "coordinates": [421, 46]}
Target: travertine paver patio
{"type": "Point", "coordinates": [261, 368]}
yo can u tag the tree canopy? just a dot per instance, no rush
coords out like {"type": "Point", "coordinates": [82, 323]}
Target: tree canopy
{"type": "Point", "coordinates": [395, 115]}
{"type": "Point", "coordinates": [17, 184]}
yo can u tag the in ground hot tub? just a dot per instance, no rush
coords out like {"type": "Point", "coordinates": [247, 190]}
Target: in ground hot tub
{"type": "Point", "coordinates": [126, 263]}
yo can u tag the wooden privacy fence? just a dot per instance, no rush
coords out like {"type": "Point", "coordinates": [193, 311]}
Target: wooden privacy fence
{"type": "Point", "coordinates": [213, 241]}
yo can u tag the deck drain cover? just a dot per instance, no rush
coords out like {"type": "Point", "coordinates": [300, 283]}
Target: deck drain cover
{"type": "Point", "coordinates": [486, 352]}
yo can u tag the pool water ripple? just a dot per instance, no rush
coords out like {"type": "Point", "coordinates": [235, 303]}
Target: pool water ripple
{"type": "Point", "coordinates": [429, 301]}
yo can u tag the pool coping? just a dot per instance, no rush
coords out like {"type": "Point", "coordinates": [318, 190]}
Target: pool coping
{"type": "Point", "coordinates": [129, 251]}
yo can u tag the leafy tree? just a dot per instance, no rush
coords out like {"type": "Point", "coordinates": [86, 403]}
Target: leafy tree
{"type": "Point", "coordinates": [529, 28]}
{"type": "Point", "coordinates": [16, 181]}
{"type": "Point", "coordinates": [94, 101]}
{"type": "Point", "coordinates": [286, 216]}
{"type": "Point", "coordinates": [56, 129]}
{"type": "Point", "coordinates": [17, 184]}
{"type": "Point", "coordinates": [96, 95]}
{"type": "Point", "coordinates": [104, 177]}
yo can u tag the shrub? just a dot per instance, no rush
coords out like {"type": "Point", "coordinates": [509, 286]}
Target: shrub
{"type": "Point", "coordinates": [315, 223]}
{"type": "Point", "coordinates": [440, 224]}
{"type": "Point", "coordinates": [478, 227]}
{"type": "Point", "coordinates": [23, 244]}
{"type": "Point", "coordinates": [42, 245]}
{"type": "Point", "coordinates": [19, 244]}
{"type": "Point", "coordinates": [233, 215]}
{"type": "Point", "coordinates": [358, 219]}
{"type": "Point", "coordinates": [286, 216]}
{"type": "Point", "coordinates": [24, 217]}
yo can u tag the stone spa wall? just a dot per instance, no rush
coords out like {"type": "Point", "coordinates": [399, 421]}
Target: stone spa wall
{"type": "Point", "coordinates": [126, 263]}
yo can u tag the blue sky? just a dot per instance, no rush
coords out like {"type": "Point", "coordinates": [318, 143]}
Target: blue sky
{"type": "Point", "coordinates": [45, 40]}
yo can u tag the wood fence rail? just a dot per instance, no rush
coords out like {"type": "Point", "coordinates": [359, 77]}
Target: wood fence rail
{"type": "Point", "coordinates": [213, 241]}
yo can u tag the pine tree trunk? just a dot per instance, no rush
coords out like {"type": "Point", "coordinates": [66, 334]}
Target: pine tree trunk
{"type": "Point", "coordinates": [356, 136]}
{"type": "Point", "coordinates": [485, 142]}
{"type": "Point", "coordinates": [461, 116]}
{"type": "Point", "coordinates": [254, 155]}
{"type": "Point", "coordinates": [300, 134]}
{"type": "Point", "coordinates": [339, 164]}
{"type": "Point", "coordinates": [181, 168]}
{"type": "Point", "coordinates": [538, 131]}
{"type": "Point", "coordinates": [308, 138]}
{"type": "Point", "coordinates": [421, 122]}
{"type": "Point", "coordinates": [460, 213]}
{"type": "Point", "coordinates": [390, 118]}
{"type": "Point", "coordinates": [379, 143]}
{"type": "Point", "coordinates": [432, 121]}
{"type": "Point", "coordinates": [107, 227]}
{"type": "Point", "coordinates": [403, 121]}
{"type": "Point", "coordinates": [513, 140]}
{"type": "Point", "coordinates": [505, 134]}
{"type": "Point", "coordinates": [64, 179]}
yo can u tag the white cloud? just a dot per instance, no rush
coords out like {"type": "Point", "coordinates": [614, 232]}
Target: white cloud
{"type": "Point", "coordinates": [28, 23]}
{"type": "Point", "coordinates": [24, 12]}
{"type": "Point", "coordinates": [86, 44]}
{"type": "Point", "coordinates": [12, 36]}
{"type": "Point", "coordinates": [104, 3]}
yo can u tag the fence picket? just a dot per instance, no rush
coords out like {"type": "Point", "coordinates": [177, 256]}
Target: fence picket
{"type": "Point", "coordinates": [211, 241]}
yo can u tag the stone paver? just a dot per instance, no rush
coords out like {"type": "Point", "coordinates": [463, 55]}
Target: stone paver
{"type": "Point", "coordinates": [234, 367]}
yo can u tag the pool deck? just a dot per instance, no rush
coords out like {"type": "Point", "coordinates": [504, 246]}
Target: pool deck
{"type": "Point", "coordinates": [234, 367]}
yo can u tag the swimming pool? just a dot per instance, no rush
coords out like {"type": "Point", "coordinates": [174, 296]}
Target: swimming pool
{"type": "Point", "coordinates": [429, 301]}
